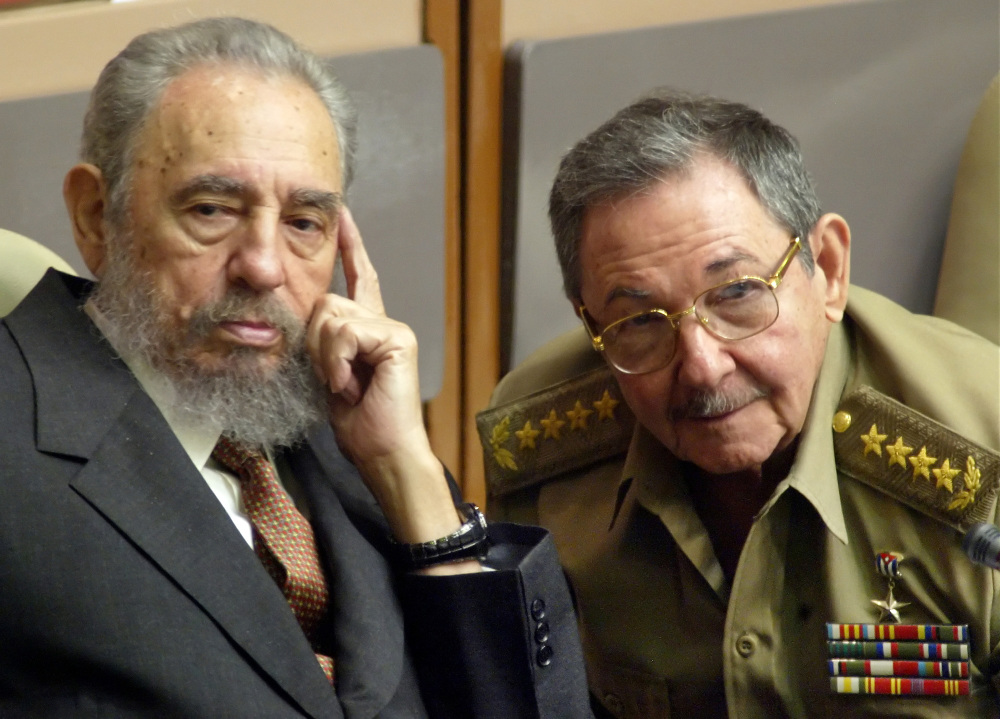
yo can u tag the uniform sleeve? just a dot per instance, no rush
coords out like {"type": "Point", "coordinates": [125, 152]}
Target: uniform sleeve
{"type": "Point", "coordinates": [499, 644]}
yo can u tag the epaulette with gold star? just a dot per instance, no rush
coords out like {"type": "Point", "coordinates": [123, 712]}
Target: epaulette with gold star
{"type": "Point", "coordinates": [558, 429]}
{"type": "Point", "coordinates": [915, 459]}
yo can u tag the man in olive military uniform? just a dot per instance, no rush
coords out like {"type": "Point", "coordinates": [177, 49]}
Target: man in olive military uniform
{"type": "Point", "coordinates": [756, 454]}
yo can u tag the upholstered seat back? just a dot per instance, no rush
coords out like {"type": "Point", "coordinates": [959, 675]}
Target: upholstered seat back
{"type": "Point", "coordinates": [22, 263]}
{"type": "Point", "coordinates": [968, 290]}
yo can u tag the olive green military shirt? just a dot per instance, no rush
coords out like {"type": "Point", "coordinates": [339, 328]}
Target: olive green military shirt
{"type": "Point", "coordinates": [666, 635]}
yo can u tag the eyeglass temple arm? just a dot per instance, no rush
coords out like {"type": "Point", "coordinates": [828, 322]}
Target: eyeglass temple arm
{"type": "Point", "coordinates": [779, 273]}
{"type": "Point", "coordinates": [595, 339]}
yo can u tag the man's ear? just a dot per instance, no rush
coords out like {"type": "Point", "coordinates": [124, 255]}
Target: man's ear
{"type": "Point", "coordinates": [831, 247]}
{"type": "Point", "coordinates": [84, 192]}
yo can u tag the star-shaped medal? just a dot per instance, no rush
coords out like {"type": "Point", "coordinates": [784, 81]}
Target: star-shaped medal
{"type": "Point", "coordinates": [889, 607]}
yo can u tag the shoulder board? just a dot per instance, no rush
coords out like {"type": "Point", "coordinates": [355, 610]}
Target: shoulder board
{"type": "Point", "coordinates": [555, 430]}
{"type": "Point", "coordinates": [914, 459]}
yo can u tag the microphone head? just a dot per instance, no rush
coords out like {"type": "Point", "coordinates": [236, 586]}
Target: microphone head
{"type": "Point", "coordinates": [982, 545]}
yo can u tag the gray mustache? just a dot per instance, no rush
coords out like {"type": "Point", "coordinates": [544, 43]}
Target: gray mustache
{"type": "Point", "coordinates": [241, 303]}
{"type": "Point", "coordinates": [711, 404]}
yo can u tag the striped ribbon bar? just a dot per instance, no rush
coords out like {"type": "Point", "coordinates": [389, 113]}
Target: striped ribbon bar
{"type": "Point", "coordinates": [897, 650]}
{"type": "Point", "coordinates": [897, 668]}
{"type": "Point", "coordinates": [909, 687]}
{"type": "Point", "coordinates": [902, 632]}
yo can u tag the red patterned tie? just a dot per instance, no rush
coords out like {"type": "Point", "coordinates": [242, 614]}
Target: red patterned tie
{"type": "Point", "coordinates": [283, 539]}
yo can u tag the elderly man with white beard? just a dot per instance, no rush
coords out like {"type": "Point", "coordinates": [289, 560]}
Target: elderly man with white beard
{"type": "Point", "coordinates": [217, 496]}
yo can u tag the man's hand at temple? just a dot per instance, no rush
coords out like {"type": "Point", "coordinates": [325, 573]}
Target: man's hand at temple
{"type": "Point", "coordinates": [369, 364]}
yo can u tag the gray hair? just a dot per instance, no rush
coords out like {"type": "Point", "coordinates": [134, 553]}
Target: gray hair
{"type": "Point", "coordinates": [131, 85]}
{"type": "Point", "coordinates": [661, 135]}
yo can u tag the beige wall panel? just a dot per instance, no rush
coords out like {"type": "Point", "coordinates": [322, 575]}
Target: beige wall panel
{"type": "Point", "coordinates": [62, 48]}
{"type": "Point", "coordinates": [530, 19]}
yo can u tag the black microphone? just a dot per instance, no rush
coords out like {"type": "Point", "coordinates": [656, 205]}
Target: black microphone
{"type": "Point", "coordinates": [982, 545]}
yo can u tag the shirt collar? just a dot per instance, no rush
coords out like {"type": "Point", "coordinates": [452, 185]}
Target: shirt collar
{"type": "Point", "coordinates": [655, 476]}
{"type": "Point", "coordinates": [814, 471]}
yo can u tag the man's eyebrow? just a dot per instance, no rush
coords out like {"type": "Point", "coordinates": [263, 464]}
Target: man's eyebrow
{"type": "Point", "coordinates": [723, 264]}
{"type": "Point", "coordinates": [630, 292]}
{"type": "Point", "coordinates": [716, 267]}
{"type": "Point", "coordinates": [326, 202]}
{"type": "Point", "coordinates": [212, 185]}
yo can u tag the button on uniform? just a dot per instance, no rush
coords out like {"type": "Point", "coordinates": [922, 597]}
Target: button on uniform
{"type": "Point", "coordinates": [746, 645]}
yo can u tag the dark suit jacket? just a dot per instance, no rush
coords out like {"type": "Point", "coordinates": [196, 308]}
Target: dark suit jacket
{"type": "Point", "coordinates": [126, 590]}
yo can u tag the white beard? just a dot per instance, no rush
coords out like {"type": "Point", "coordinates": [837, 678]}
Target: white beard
{"type": "Point", "coordinates": [253, 403]}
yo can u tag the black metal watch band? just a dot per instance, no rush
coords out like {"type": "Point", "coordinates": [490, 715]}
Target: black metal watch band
{"type": "Point", "coordinates": [469, 541]}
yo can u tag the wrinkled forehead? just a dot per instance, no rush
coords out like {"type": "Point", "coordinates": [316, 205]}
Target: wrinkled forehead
{"type": "Point", "coordinates": [700, 225]}
{"type": "Point", "coordinates": [218, 98]}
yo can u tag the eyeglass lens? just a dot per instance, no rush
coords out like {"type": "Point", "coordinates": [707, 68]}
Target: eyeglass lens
{"type": "Point", "coordinates": [733, 311]}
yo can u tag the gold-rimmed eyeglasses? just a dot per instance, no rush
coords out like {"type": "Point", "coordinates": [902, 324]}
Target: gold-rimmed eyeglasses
{"type": "Point", "coordinates": [647, 341]}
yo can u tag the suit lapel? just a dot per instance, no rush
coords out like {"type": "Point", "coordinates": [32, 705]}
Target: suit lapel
{"type": "Point", "coordinates": [368, 622]}
{"type": "Point", "coordinates": [139, 478]}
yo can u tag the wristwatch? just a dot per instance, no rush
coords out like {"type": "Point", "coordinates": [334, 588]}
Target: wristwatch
{"type": "Point", "coordinates": [470, 541]}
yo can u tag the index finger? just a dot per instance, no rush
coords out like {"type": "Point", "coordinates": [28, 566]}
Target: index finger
{"type": "Point", "coordinates": [362, 280]}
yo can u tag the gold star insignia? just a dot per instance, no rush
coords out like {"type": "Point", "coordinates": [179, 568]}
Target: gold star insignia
{"type": "Point", "coordinates": [945, 475]}
{"type": "Point", "coordinates": [578, 416]}
{"type": "Point", "coordinates": [873, 441]}
{"type": "Point", "coordinates": [552, 425]}
{"type": "Point", "coordinates": [889, 607]}
{"type": "Point", "coordinates": [922, 464]}
{"type": "Point", "coordinates": [605, 406]}
{"type": "Point", "coordinates": [897, 453]}
{"type": "Point", "coordinates": [527, 435]}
